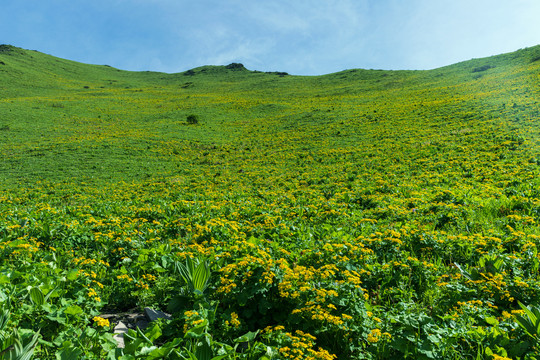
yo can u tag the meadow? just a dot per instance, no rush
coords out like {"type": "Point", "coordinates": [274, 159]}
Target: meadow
{"type": "Point", "coordinates": [365, 214]}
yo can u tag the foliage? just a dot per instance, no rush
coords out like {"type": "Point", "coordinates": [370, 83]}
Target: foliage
{"type": "Point", "coordinates": [192, 119]}
{"type": "Point", "coordinates": [362, 214]}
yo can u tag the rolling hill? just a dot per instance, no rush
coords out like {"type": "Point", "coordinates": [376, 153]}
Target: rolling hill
{"type": "Point", "coordinates": [364, 214]}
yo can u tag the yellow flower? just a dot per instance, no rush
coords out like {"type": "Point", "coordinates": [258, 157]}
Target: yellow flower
{"type": "Point", "coordinates": [143, 286]}
{"type": "Point", "coordinates": [124, 276]}
{"type": "Point", "coordinates": [374, 336]}
{"type": "Point", "coordinates": [234, 320]}
{"type": "Point", "coordinates": [149, 277]}
{"type": "Point", "coordinates": [101, 321]}
{"type": "Point", "coordinates": [190, 313]}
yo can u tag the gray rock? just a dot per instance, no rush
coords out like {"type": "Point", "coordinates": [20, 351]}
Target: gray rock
{"type": "Point", "coordinates": [133, 320]}
{"type": "Point", "coordinates": [119, 331]}
{"type": "Point", "coordinates": [152, 314]}
{"type": "Point", "coordinates": [142, 323]}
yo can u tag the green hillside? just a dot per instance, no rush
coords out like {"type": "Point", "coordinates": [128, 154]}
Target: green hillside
{"type": "Point", "coordinates": [362, 214]}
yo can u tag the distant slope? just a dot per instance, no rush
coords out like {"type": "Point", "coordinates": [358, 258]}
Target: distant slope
{"type": "Point", "coordinates": [64, 120]}
{"type": "Point", "coordinates": [32, 70]}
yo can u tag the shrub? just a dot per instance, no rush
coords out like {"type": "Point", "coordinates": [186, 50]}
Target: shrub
{"type": "Point", "coordinates": [482, 68]}
{"type": "Point", "coordinates": [192, 119]}
{"type": "Point", "coordinates": [235, 66]}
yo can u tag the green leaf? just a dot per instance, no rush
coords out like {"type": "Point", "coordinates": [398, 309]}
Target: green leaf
{"type": "Point", "coordinates": [201, 276]}
{"type": "Point", "coordinates": [57, 316]}
{"type": "Point", "coordinates": [196, 277]}
{"type": "Point", "coordinates": [526, 325]}
{"type": "Point", "coordinates": [164, 261]}
{"type": "Point", "coordinates": [144, 337]}
{"type": "Point", "coordinates": [501, 351]}
{"type": "Point", "coordinates": [68, 352]}
{"type": "Point", "coordinates": [529, 313]}
{"type": "Point", "coordinates": [204, 351]}
{"type": "Point", "coordinates": [147, 350]}
{"type": "Point", "coordinates": [73, 310]}
{"type": "Point", "coordinates": [463, 272]}
{"type": "Point", "coordinates": [519, 349]}
{"type": "Point", "coordinates": [28, 350]}
{"type": "Point", "coordinates": [530, 323]}
{"type": "Point", "coordinates": [153, 333]}
{"type": "Point", "coordinates": [4, 318]}
{"type": "Point", "coordinates": [158, 353]}
{"type": "Point", "coordinates": [4, 279]}
{"type": "Point", "coordinates": [132, 341]}
{"type": "Point", "coordinates": [177, 304]}
{"type": "Point", "coordinates": [197, 331]}
{"type": "Point", "coordinates": [127, 357]}
{"type": "Point", "coordinates": [185, 272]}
{"type": "Point", "coordinates": [37, 296]}
{"type": "Point", "coordinates": [250, 336]}
{"type": "Point", "coordinates": [72, 275]}
{"type": "Point", "coordinates": [219, 357]}
{"type": "Point", "coordinates": [165, 350]}
{"type": "Point", "coordinates": [491, 320]}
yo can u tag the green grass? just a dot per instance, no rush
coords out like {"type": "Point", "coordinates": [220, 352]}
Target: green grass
{"type": "Point", "coordinates": [59, 114]}
{"type": "Point", "coordinates": [397, 190]}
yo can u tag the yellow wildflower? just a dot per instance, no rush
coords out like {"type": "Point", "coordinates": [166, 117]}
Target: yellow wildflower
{"type": "Point", "coordinates": [101, 321]}
{"type": "Point", "coordinates": [374, 336]}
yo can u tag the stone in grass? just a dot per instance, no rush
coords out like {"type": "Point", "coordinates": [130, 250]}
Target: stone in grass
{"type": "Point", "coordinates": [152, 314]}
{"type": "Point", "coordinates": [134, 320]}
{"type": "Point", "coordinates": [119, 330]}
{"type": "Point", "coordinates": [142, 323]}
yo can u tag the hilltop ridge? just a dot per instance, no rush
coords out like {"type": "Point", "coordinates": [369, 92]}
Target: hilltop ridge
{"type": "Point", "coordinates": [523, 56]}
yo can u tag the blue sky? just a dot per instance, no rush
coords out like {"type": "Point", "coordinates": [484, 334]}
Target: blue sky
{"type": "Point", "coordinates": [301, 37]}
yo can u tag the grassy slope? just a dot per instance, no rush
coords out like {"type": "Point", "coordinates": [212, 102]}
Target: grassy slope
{"type": "Point", "coordinates": [62, 114]}
{"type": "Point", "coordinates": [450, 152]}
{"type": "Point", "coordinates": [68, 121]}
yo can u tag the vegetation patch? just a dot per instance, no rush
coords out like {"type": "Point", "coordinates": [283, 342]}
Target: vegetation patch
{"type": "Point", "coordinates": [482, 68]}
{"type": "Point", "coordinates": [357, 215]}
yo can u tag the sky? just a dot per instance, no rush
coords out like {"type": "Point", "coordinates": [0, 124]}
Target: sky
{"type": "Point", "coordinates": [301, 37]}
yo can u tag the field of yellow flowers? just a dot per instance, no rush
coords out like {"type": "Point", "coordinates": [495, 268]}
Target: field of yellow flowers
{"type": "Point", "coordinates": [365, 214]}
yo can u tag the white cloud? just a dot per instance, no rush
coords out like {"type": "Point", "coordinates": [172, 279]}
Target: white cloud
{"type": "Point", "coordinates": [420, 34]}
{"type": "Point", "coordinates": [295, 36]}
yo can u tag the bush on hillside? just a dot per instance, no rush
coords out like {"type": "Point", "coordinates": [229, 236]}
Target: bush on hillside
{"type": "Point", "coordinates": [482, 68]}
{"type": "Point", "coordinates": [235, 66]}
{"type": "Point", "coordinates": [192, 119]}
